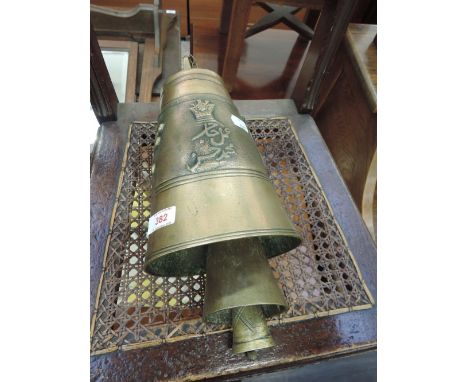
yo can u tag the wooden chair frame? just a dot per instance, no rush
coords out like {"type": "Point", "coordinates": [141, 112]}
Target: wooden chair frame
{"type": "Point", "coordinates": [330, 28]}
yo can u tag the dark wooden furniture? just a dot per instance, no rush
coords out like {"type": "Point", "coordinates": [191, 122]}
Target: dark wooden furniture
{"type": "Point", "coordinates": [280, 14]}
{"type": "Point", "coordinates": [103, 98]}
{"type": "Point", "coordinates": [360, 367]}
{"type": "Point", "coordinates": [127, 22]}
{"type": "Point", "coordinates": [330, 28]}
{"type": "Point", "coordinates": [346, 114]}
{"type": "Point", "coordinates": [135, 18]}
{"type": "Point", "coordinates": [158, 33]}
{"type": "Point", "coordinates": [334, 340]}
{"type": "Point", "coordinates": [150, 71]}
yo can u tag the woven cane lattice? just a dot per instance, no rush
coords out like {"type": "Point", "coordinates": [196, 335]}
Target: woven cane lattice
{"type": "Point", "coordinates": [318, 278]}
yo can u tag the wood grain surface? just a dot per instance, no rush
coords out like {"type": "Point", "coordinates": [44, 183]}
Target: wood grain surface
{"type": "Point", "coordinates": [362, 51]}
{"type": "Point", "coordinates": [102, 93]}
{"type": "Point", "coordinates": [202, 12]}
{"type": "Point", "coordinates": [349, 126]}
{"type": "Point", "coordinates": [331, 26]}
{"type": "Point", "coordinates": [150, 71]}
{"type": "Point", "coordinates": [179, 5]}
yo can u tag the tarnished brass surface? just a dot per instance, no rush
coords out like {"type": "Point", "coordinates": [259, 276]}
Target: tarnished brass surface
{"type": "Point", "coordinates": [241, 289]}
{"type": "Point", "coordinates": [249, 330]}
{"type": "Point", "coordinates": [224, 215]}
{"type": "Point", "coordinates": [209, 168]}
{"type": "Point", "coordinates": [192, 83]}
{"type": "Point", "coordinates": [238, 274]}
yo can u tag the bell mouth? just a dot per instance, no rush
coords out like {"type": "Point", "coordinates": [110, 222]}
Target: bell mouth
{"type": "Point", "coordinates": [191, 258]}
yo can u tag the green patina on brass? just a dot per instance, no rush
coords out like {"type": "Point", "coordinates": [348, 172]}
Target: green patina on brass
{"type": "Point", "coordinates": [238, 274]}
{"type": "Point", "coordinates": [241, 289]}
{"type": "Point", "coordinates": [228, 218]}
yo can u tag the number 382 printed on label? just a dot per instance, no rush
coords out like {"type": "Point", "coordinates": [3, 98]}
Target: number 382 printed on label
{"type": "Point", "coordinates": [161, 219]}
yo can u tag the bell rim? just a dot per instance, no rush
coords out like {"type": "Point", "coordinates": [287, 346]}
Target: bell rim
{"type": "Point", "coordinates": [294, 241]}
{"type": "Point", "coordinates": [270, 310]}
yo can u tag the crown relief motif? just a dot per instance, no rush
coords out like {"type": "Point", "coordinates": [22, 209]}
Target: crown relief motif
{"type": "Point", "coordinates": [202, 109]}
{"type": "Point", "coordinates": [212, 145]}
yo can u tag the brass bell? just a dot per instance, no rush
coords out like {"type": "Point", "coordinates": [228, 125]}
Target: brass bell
{"type": "Point", "coordinates": [214, 208]}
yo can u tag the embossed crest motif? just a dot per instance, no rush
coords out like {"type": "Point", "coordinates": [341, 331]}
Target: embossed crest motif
{"type": "Point", "coordinates": [213, 144]}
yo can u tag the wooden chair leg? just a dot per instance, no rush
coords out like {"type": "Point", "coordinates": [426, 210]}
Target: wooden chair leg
{"type": "Point", "coordinates": [235, 41]}
{"type": "Point", "coordinates": [225, 16]}
{"type": "Point", "coordinates": [311, 17]}
{"type": "Point", "coordinates": [321, 52]}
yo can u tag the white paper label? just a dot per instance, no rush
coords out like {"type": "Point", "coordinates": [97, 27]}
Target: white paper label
{"type": "Point", "coordinates": [239, 123]}
{"type": "Point", "coordinates": [161, 219]}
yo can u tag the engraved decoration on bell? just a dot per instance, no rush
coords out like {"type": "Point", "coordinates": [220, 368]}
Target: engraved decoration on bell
{"type": "Point", "coordinates": [212, 146]}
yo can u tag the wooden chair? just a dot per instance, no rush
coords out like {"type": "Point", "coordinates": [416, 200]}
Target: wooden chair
{"type": "Point", "coordinates": [329, 31]}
